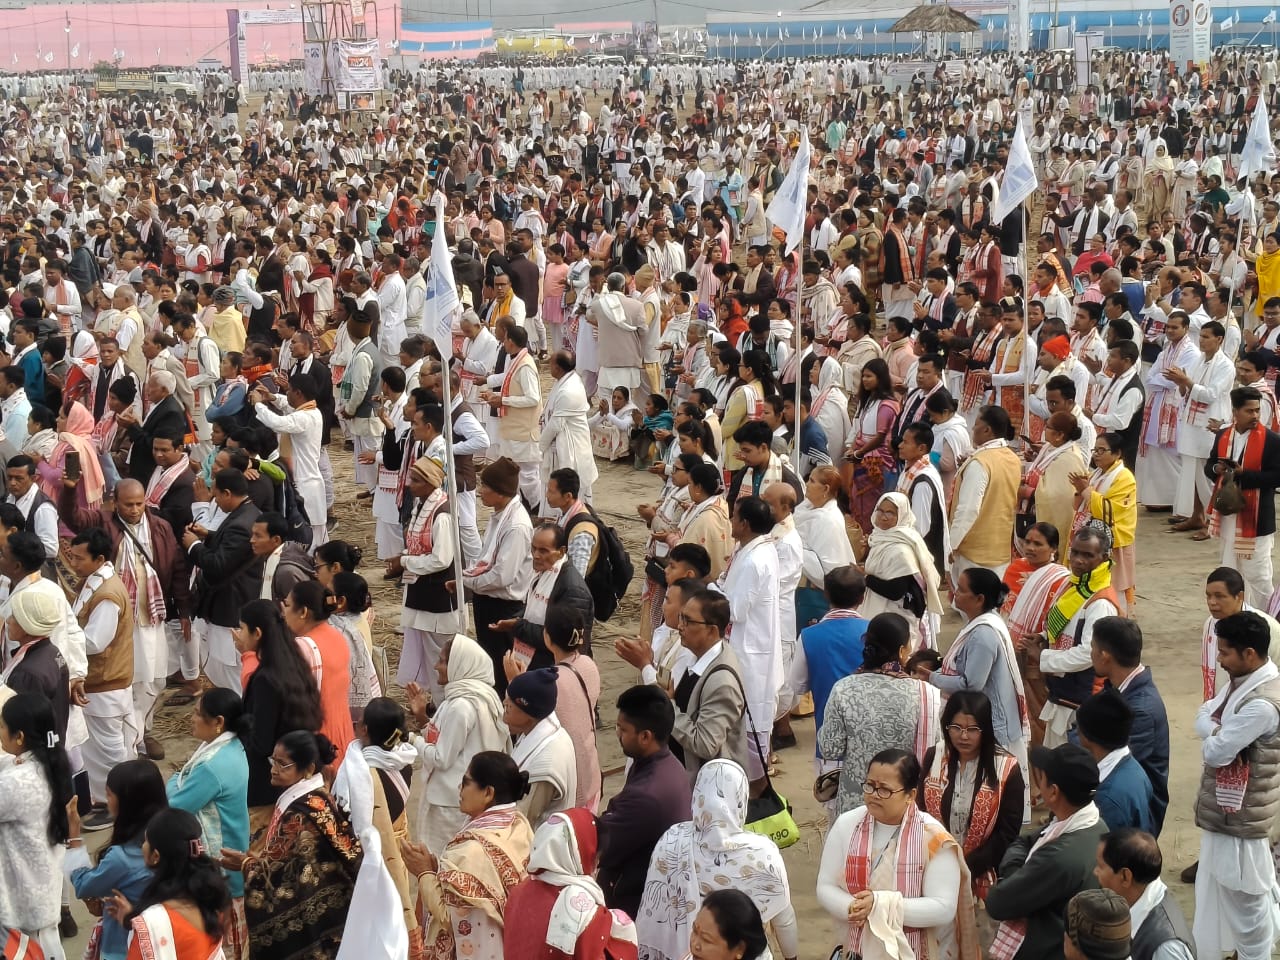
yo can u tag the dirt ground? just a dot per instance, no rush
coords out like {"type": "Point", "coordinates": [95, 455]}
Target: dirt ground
{"type": "Point", "coordinates": [1171, 611]}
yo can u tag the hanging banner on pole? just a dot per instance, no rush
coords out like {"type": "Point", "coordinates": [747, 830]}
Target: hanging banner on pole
{"type": "Point", "coordinates": [359, 66]}
{"type": "Point", "coordinates": [1190, 26]}
{"type": "Point", "coordinates": [239, 46]}
{"type": "Point", "coordinates": [313, 57]}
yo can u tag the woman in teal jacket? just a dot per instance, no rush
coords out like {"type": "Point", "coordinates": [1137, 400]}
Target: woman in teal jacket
{"type": "Point", "coordinates": [214, 787]}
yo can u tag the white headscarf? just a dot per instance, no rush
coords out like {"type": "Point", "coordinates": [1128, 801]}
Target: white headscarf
{"type": "Point", "coordinates": [900, 551]}
{"type": "Point", "coordinates": [563, 855]}
{"type": "Point", "coordinates": [471, 678]}
{"type": "Point", "coordinates": [710, 852]}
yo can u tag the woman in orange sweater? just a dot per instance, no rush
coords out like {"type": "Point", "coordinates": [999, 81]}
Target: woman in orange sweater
{"type": "Point", "coordinates": [323, 647]}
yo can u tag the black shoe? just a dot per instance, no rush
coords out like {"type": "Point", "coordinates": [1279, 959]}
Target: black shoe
{"type": "Point", "coordinates": [1189, 875]}
{"type": "Point", "coordinates": [782, 742]}
{"type": "Point", "coordinates": [68, 929]}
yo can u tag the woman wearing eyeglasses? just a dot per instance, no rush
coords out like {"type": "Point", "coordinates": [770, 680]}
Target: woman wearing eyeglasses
{"type": "Point", "coordinates": [973, 787]}
{"type": "Point", "coordinates": [892, 872]}
{"type": "Point", "coordinates": [462, 894]}
{"type": "Point", "coordinates": [299, 877]}
{"type": "Point", "coordinates": [1110, 494]}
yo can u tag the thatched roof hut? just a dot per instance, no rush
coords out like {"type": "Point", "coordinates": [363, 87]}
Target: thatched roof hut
{"type": "Point", "coordinates": [935, 18]}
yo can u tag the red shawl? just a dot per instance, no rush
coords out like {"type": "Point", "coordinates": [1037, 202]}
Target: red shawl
{"type": "Point", "coordinates": [1247, 519]}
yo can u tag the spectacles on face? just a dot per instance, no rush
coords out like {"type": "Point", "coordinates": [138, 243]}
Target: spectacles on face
{"type": "Point", "coordinates": [685, 621]}
{"type": "Point", "coordinates": [281, 764]}
{"type": "Point", "coordinates": [956, 730]}
{"type": "Point", "coordinates": [870, 789]}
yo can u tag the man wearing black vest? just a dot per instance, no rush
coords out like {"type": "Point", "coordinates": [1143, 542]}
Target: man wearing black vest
{"type": "Point", "coordinates": [469, 441]}
{"type": "Point", "coordinates": [1129, 864]}
{"type": "Point", "coordinates": [1120, 405]}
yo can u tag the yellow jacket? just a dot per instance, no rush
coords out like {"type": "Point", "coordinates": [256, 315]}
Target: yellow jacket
{"type": "Point", "coordinates": [1123, 499]}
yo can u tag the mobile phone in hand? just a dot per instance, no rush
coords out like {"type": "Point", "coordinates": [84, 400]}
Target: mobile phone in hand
{"type": "Point", "coordinates": [71, 465]}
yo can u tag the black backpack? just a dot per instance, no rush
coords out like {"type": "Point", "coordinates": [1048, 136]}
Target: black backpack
{"type": "Point", "coordinates": [609, 578]}
{"type": "Point", "coordinates": [294, 510]}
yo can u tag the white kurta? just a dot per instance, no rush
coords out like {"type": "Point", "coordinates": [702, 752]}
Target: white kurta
{"type": "Point", "coordinates": [304, 428]}
{"type": "Point", "coordinates": [1211, 383]}
{"type": "Point", "coordinates": [1237, 898]}
{"type": "Point", "coordinates": [751, 583]}
{"type": "Point", "coordinates": [565, 440]}
{"type": "Point", "coordinates": [526, 379]}
{"type": "Point", "coordinates": [1158, 466]}
{"type": "Point", "coordinates": [1057, 717]}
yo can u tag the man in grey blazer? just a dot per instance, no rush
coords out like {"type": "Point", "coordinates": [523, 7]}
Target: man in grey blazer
{"type": "Point", "coordinates": [710, 702]}
{"type": "Point", "coordinates": [620, 329]}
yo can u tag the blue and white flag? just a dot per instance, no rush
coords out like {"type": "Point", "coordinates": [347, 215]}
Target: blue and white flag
{"type": "Point", "coordinates": [442, 292]}
{"type": "Point", "coordinates": [1259, 154]}
{"type": "Point", "coordinates": [1020, 179]}
{"type": "Point", "coordinates": [788, 207]}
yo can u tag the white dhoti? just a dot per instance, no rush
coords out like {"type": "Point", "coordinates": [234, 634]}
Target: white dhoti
{"type": "Point", "coordinates": [899, 300]}
{"type": "Point", "coordinates": [419, 655]}
{"type": "Point", "coordinates": [961, 563]}
{"type": "Point", "coordinates": [219, 653]}
{"type": "Point", "coordinates": [366, 474]}
{"type": "Point", "coordinates": [1255, 568]}
{"type": "Point", "coordinates": [611, 378]}
{"type": "Point", "coordinates": [1193, 485]}
{"type": "Point", "coordinates": [1157, 473]}
{"type": "Point", "coordinates": [468, 532]}
{"type": "Point", "coordinates": [1237, 900]}
{"type": "Point", "coordinates": [326, 474]}
{"type": "Point", "coordinates": [113, 739]}
{"type": "Point", "coordinates": [184, 656]}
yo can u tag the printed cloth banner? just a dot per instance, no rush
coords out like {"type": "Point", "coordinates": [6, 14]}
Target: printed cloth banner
{"type": "Point", "coordinates": [358, 66]}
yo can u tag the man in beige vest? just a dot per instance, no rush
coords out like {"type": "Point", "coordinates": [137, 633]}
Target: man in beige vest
{"type": "Point", "coordinates": [518, 395]}
{"type": "Point", "coordinates": [985, 498]}
{"type": "Point", "coordinates": [1236, 891]}
{"type": "Point", "coordinates": [130, 330]}
{"type": "Point", "coordinates": [103, 611]}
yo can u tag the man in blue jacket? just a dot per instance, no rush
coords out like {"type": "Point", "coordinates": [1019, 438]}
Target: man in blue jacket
{"type": "Point", "coordinates": [1124, 796]}
{"type": "Point", "coordinates": [1117, 658]}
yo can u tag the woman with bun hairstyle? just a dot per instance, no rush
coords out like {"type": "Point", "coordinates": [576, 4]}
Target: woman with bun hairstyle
{"type": "Point", "coordinates": [463, 893]}
{"type": "Point", "coordinates": [180, 915]}
{"type": "Point", "coordinates": [213, 786]}
{"type": "Point", "coordinates": [300, 875]}
{"type": "Point", "coordinates": [336, 556]}
{"type": "Point", "coordinates": [279, 696]}
{"type": "Point", "coordinates": [349, 618]}
{"type": "Point", "coordinates": [306, 612]}
{"type": "Point", "coordinates": [35, 785]}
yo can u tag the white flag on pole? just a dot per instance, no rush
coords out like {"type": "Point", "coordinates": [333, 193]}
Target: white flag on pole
{"type": "Point", "coordinates": [1225, 24]}
{"type": "Point", "coordinates": [1270, 17]}
{"type": "Point", "coordinates": [442, 292]}
{"type": "Point", "coordinates": [1019, 177]}
{"type": "Point", "coordinates": [75, 51]}
{"type": "Point", "coordinates": [787, 209]}
{"type": "Point", "coordinates": [1258, 155]}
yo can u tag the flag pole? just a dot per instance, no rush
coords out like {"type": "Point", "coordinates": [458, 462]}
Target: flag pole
{"type": "Point", "coordinates": [787, 210]}
{"type": "Point", "coordinates": [442, 303]}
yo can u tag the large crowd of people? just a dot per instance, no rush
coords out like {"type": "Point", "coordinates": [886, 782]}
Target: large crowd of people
{"type": "Point", "coordinates": [217, 320]}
